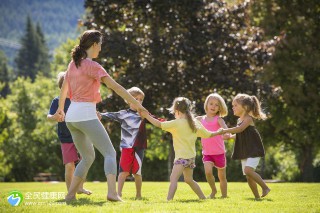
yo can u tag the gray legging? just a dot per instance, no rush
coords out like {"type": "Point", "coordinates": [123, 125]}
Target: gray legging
{"type": "Point", "coordinates": [85, 134]}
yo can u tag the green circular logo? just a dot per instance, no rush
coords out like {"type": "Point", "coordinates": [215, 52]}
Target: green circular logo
{"type": "Point", "coordinates": [15, 198]}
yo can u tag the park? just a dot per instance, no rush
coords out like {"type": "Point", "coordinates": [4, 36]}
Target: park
{"type": "Point", "coordinates": [267, 49]}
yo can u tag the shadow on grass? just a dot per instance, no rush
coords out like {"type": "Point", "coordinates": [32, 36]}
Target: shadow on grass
{"type": "Point", "coordinates": [260, 199]}
{"type": "Point", "coordinates": [83, 202]}
{"type": "Point", "coordinates": [189, 201]}
{"type": "Point", "coordinates": [134, 199]}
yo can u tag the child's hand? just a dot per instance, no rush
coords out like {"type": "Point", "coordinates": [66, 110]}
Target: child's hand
{"type": "Point", "coordinates": [59, 115]}
{"type": "Point", "coordinates": [99, 115]}
{"type": "Point", "coordinates": [220, 131]}
{"type": "Point", "coordinates": [226, 136]}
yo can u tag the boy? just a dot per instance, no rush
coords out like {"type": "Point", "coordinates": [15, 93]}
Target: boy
{"type": "Point", "coordinates": [133, 142]}
{"type": "Point", "coordinates": [69, 151]}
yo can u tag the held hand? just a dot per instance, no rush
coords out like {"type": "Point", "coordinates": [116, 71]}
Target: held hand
{"type": "Point", "coordinates": [220, 131]}
{"type": "Point", "coordinates": [99, 115]}
{"type": "Point", "coordinates": [226, 136]}
{"type": "Point", "coordinates": [60, 115]}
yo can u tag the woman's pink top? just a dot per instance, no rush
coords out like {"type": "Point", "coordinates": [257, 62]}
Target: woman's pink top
{"type": "Point", "coordinates": [213, 145]}
{"type": "Point", "coordinates": [84, 81]}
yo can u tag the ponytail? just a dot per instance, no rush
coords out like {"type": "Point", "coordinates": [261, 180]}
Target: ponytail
{"type": "Point", "coordinates": [87, 39]}
{"type": "Point", "coordinates": [78, 54]}
{"type": "Point", "coordinates": [256, 110]}
{"type": "Point", "coordinates": [184, 105]}
{"type": "Point", "coordinates": [191, 120]}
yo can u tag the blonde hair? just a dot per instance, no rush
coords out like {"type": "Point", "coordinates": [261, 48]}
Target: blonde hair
{"type": "Point", "coordinates": [185, 106]}
{"type": "Point", "coordinates": [60, 78]}
{"type": "Point", "coordinates": [134, 91]}
{"type": "Point", "coordinates": [251, 104]}
{"type": "Point", "coordinates": [223, 109]}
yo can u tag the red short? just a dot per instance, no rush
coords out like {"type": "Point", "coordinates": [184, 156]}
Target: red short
{"type": "Point", "coordinates": [69, 153]}
{"type": "Point", "coordinates": [218, 161]}
{"type": "Point", "coordinates": [131, 160]}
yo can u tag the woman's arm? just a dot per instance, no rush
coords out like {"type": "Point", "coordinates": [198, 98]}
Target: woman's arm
{"type": "Point", "coordinates": [122, 92]}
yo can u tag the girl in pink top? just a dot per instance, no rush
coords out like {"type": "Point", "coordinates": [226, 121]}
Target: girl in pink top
{"type": "Point", "coordinates": [213, 149]}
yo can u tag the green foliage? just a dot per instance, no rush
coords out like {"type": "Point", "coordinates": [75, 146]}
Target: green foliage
{"type": "Point", "coordinates": [32, 146]}
{"type": "Point", "coordinates": [33, 56]}
{"type": "Point", "coordinates": [179, 48]}
{"type": "Point", "coordinates": [62, 56]}
{"type": "Point", "coordinates": [295, 75]}
{"type": "Point", "coordinates": [4, 124]}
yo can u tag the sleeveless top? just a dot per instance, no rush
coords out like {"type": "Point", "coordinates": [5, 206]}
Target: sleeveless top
{"type": "Point", "coordinates": [248, 144]}
{"type": "Point", "coordinates": [213, 145]}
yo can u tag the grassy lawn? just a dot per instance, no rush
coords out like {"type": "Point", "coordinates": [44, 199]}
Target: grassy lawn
{"type": "Point", "coordinates": [46, 197]}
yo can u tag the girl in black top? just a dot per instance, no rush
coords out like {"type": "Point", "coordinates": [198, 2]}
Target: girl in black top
{"type": "Point", "coordinates": [248, 145]}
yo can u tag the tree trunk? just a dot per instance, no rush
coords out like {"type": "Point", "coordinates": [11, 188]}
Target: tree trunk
{"type": "Point", "coordinates": [306, 167]}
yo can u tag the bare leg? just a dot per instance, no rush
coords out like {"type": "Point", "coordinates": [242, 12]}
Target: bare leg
{"type": "Point", "coordinates": [188, 178]}
{"type": "Point", "coordinates": [138, 182]}
{"type": "Point", "coordinates": [112, 192]}
{"type": "Point", "coordinates": [82, 190]}
{"type": "Point", "coordinates": [121, 179]}
{"type": "Point", "coordinates": [223, 182]}
{"type": "Point", "coordinates": [69, 170]}
{"type": "Point", "coordinates": [76, 182]}
{"type": "Point", "coordinates": [210, 179]}
{"type": "Point", "coordinates": [257, 179]}
{"type": "Point", "coordinates": [253, 187]}
{"type": "Point", "coordinates": [174, 177]}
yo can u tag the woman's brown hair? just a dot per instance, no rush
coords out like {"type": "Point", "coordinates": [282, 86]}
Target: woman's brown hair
{"type": "Point", "coordinates": [87, 39]}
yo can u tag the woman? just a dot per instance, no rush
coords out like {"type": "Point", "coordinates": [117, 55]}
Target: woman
{"type": "Point", "coordinates": [82, 81]}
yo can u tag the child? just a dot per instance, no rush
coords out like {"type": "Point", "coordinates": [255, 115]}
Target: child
{"type": "Point", "coordinates": [213, 149]}
{"type": "Point", "coordinates": [184, 129]}
{"type": "Point", "coordinates": [248, 145]}
{"type": "Point", "coordinates": [133, 142]}
{"type": "Point", "coordinates": [69, 151]}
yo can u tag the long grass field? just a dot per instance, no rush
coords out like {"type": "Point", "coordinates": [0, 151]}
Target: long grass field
{"type": "Point", "coordinates": [47, 197]}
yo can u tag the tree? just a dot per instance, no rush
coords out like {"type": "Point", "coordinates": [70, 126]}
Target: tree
{"type": "Point", "coordinates": [33, 56]}
{"type": "Point", "coordinates": [180, 48]}
{"type": "Point", "coordinates": [30, 136]}
{"type": "Point", "coordinates": [4, 76]}
{"type": "Point", "coordinates": [4, 135]}
{"type": "Point", "coordinates": [43, 60]}
{"type": "Point", "coordinates": [295, 75]}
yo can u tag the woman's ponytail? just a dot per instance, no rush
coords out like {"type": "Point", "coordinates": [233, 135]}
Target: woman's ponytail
{"type": "Point", "coordinates": [87, 39]}
{"type": "Point", "coordinates": [78, 54]}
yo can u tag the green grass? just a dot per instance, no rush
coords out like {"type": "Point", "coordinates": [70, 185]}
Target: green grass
{"type": "Point", "coordinates": [284, 197]}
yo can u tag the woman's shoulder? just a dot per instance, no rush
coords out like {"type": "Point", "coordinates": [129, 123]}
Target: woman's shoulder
{"type": "Point", "coordinates": [89, 62]}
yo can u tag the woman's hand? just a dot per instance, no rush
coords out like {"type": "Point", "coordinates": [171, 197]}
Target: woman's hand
{"type": "Point", "coordinates": [59, 115]}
